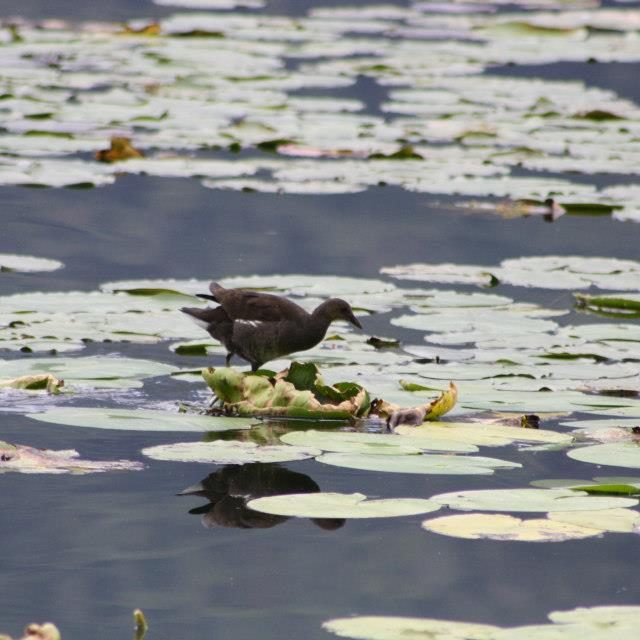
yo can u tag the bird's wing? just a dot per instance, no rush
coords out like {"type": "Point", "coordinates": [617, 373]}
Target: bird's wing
{"type": "Point", "coordinates": [264, 307]}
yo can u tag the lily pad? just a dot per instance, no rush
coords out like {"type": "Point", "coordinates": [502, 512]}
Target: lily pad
{"type": "Point", "coordinates": [297, 392]}
{"type": "Point", "coordinates": [228, 452]}
{"type": "Point", "coordinates": [610, 520]}
{"type": "Point", "coordinates": [502, 527]}
{"type": "Point", "coordinates": [27, 264]}
{"type": "Point", "coordinates": [425, 463]}
{"type": "Point", "coordinates": [373, 443]}
{"type": "Point", "coordinates": [486, 434]}
{"type": "Point", "coordinates": [529, 500]}
{"type": "Point", "coordinates": [392, 628]}
{"type": "Point", "coordinates": [95, 371]}
{"type": "Point", "coordinates": [137, 420]}
{"type": "Point", "coordinates": [618, 454]}
{"type": "Point", "coordinates": [340, 505]}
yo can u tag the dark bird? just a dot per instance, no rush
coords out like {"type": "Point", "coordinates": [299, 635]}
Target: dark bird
{"type": "Point", "coordinates": [260, 327]}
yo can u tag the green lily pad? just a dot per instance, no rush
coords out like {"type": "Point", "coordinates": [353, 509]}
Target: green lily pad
{"type": "Point", "coordinates": [618, 454]}
{"type": "Point", "coordinates": [95, 371]}
{"type": "Point", "coordinates": [392, 628]}
{"type": "Point", "coordinates": [228, 452]}
{"type": "Point", "coordinates": [425, 463]}
{"type": "Point", "coordinates": [340, 505]}
{"type": "Point", "coordinates": [503, 527]}
{"type": "Point", "coordinates": [610, 520]}
{"type": "Point", "coordinates": [529, 500]}
{"type": "Point", "coordinates": [479, 433]}
{"type": "Point", "coordinates": [373, 443]}
{"type": "Point", "coordinates": [137, 420]}
{"type": "Point", "coordinates": [297, 392]}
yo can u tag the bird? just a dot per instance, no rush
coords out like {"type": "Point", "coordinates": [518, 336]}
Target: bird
{"type": "Point", "coordinates": [260, 327]}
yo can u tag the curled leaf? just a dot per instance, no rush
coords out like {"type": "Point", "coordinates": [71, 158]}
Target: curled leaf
{"type": "Point", "coordinates": [38, 382]}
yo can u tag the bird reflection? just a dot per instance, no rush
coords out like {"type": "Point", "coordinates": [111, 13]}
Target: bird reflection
{"type": "Point", "coordinates": [229, 489]}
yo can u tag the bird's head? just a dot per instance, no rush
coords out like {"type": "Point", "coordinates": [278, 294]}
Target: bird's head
{"type": "Point", "coordinates": [338, 309]}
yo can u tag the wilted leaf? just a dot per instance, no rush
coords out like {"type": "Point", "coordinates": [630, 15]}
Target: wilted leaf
{"type": "Point", "coordinates": [30, 460]}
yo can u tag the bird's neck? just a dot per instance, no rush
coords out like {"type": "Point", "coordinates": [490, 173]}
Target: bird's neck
{"type": "Point", "coordinates": [319, 322]}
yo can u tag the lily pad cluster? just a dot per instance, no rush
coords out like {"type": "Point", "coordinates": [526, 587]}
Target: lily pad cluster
{"type": "Point", "coordinates": [448, 126]}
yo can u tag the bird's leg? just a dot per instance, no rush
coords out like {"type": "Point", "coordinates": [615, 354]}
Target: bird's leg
{"type": "Point", "coordinates": [227, 360]}
{"type": "Point", "coordinates": [214, 400]}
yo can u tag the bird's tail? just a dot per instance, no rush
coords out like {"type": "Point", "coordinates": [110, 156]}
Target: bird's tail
{"type": "Point", "coordinates": [215, 288]}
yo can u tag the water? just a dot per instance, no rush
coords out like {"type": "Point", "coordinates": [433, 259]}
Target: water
{"type": "Point", "coordinates": [84, 552]}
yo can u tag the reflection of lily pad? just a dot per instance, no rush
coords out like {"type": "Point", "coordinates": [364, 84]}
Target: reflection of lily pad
{"type": "Point", "coordinates": [137, 420]}
{"type": "Point", "coordinates": [228, 452]}
{"type": "Point", "coordinates": [503, 527]}
{"type": "Point", "coordinates": [525, 500]}
{"type": "Point", "coordinates": [340, 505]}
{"type": "Point", "coordinates": [426, 463]}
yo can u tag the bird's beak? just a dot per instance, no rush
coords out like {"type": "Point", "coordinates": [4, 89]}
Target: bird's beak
{"type": "Point", "coordinates": [352, 319]}
{"type": "Point", "coordinates": [205, 296]}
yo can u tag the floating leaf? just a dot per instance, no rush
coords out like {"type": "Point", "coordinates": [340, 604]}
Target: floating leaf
{"type": "Point", "coordinates": [486, 434]}
{"type": "Point", "coordinates": [297, 392]}
{"type": "Point", "coordinates": [525, 500]}
{"type": "Point", "coordinates": [503, 527]}
{"type": "Point", "coordinates": [137, 420]}
{"type": "Point", "coordinates": [340, 505]}
{"type": "Point", "coordinates": [425, 463]}
{"type": "Point", "coordinates": [27, 264]}
{"type": "Point", "coordinates": [392, 628]}
{"type": "Point", "coordinates": [618, 454]}
{"type": "Point", "coordinates": [228, 452]}
{"type": "Point", "coordinates": [373, 443]}
{"type": "Point", "coordinates": [613, 520]}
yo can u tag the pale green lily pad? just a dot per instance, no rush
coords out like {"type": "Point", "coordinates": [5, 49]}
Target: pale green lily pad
{"type": "Point", "coordinates": [618, 454]}
{"type": "Point", "coordinates": [486, 434]}
{"type": "Point", "coordinates": [444, 273]}
{"type": "Point", "coordinates": [27, 264]}
{"type": "Point", "coordinates": [30, 460]}
{"type": "Point", "coordinates": [372, 443]}
{"type": "Point", "coordinates": [228, 452]}
{"type": "Point", "coordinates": [425, 463]}
{"type": "Point", "coordinates": [137, 420]}
{"type": "Point", "coordinates": [503, 527]}
{"type": "Point", "coordinates": [340, 505]}
{"type": "Point", "coordinates": [597, 616]}
{"type": "Point", "coordinates": [529, 500]}
{"type": "Point", "coordinates": [96, 371]}
{"type": "Point", "coordinates": [610, 520]}
{"type": "Point", "coordinates": [393, 628]}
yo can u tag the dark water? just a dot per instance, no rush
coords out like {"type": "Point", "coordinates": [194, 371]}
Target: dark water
{"type": "Point", "coordinates": [84, 551]}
